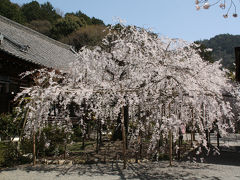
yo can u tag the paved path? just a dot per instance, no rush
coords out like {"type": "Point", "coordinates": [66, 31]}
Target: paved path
{"type": "Point", "coordinates": [231, 142]}
{"type": "Point", "coordinates": [143, 171]}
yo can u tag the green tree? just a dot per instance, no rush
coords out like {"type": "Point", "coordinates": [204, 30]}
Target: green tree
{"type": "Point", "coordinates": [86, 18]}
{"type": "Point", "coordinates": [86, 36]}
{"type": "Point", "coordinates": [223, 48]}
{"type": "Point", "coordinates": [31, 11]}
{"type": "Point", "coordinates": [48, 12]}
{"type": "Point", "coordinates": [66, 26]}
{"type": "Point", "coordinates": [11, 11]}
{"type": "Point", "coordinates": [97, 21]}
{"type": "Point", "coordinates": [10, 125]}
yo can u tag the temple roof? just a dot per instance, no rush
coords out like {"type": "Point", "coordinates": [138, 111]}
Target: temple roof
{"type": "Point", "coordinates": [29, 45]}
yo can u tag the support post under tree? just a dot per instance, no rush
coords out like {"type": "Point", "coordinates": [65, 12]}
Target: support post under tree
{"type": "Point", "coordinates": [100, 134]}
{"type": "Point", "coordinates": [34, 148]}
{"type": "Point", "coordinates": [126, 121]}
{"type": "Point", "coordinates": [170, 147]}
{"type": "Point", "coordinates": [65, 151]}
{"type": "Point", "coordinates": [218, 136]}
{"type": "Point", "coordinates": [83, 140]}
{"type": "Point", "coordinates": [123, 139]}
{"type": "Point", "coordinates": [192, 130]}
{"type": "Point", "coordinates": [139, 152]}
{"type": "Point", "coordinates": [191, 138]}
{"type": "Point", "coordinates": [97, 145]}
{"type": "Point", "coordinates": [209, 138]}
{"type": "Point", "coordinates": [180, 139]}
{"type": "Point", "coordinates": [170, 138]}
{"type": "Point", "coordinates": [84, 122]}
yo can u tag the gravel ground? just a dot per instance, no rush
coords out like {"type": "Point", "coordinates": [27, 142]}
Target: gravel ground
{"type": "Point", "coordinates": [142, 171]}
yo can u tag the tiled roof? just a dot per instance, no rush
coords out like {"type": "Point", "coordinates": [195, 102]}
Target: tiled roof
{"type": "Point", "coordinates": [34, 47]}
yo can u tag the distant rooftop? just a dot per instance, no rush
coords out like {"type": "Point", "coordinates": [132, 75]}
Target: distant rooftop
{"type": "Point", "coordinates": [29, 45]}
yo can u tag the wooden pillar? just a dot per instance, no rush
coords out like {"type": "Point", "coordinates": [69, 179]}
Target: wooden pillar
{"type": "Point", "coordinates": [218, 136]}
{"type": "Point", "coordinates": [85, 123]}
{"type": "Point", "coordinates": [34, 148]}
{"type": "Point", "coordinates": [180, 139]}
{"type": "Point", "coordinates": [100, 134]}
{"type": "Point", "coordinates": [170, 147]}
{"type": "Point", "coordinates": [97, 145]}
{"type": "Point", "coordinates": [179, 150]}
{"type": "Point", "coordinates": [123, 139]}
{"type": "Point", "coordinates": [170, 138]}
{"type": "Point", "coordinates": [206, 132]}
{"type": "Point", "coordinates": [98, 127]}
{"type": "Point", "coordinates": [237, 62]}
{"type": "Point", "coordinates": [209, 137]}
{"type": "Point", "coordinates": [140, 147]}
{"type": "Point", "coordinates": [139, 154]}
{"type": "Point", "coordinates": [83, 140]}
{"type": "Point", "coordinates": [126, 121]}
{"type": "Point", "coordinates": [191, 138]}
{"type": "Point", "coordinates": [192, 129]}
{"type": "Point", "coordinates": [65, 151]}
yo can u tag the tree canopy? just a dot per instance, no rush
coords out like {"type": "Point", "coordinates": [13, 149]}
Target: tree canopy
{"type": "Point", "coordinates": [11, 11]}
{"type": "Point", "coordinates": [164, 83]}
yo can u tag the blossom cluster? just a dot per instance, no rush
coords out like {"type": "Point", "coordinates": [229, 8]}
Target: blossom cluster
{"type": "Point", "coordinates": [223, 4]}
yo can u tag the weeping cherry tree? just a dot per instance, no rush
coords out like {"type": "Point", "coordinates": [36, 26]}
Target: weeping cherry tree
{"type": "Point", "coordinates": [163, 82]}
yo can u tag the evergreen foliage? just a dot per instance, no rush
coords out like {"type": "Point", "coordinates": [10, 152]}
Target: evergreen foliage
{"type": "Point", "coordinates": [11, 11]}
{"type": "Point", "coordinates": [223, 48]}
{"type": "Point", "coordinates": [66, 26]}
{"type": "Point", "coordinates": [87, 36]}
{"type": "Point", "coordinates": [72, 28]}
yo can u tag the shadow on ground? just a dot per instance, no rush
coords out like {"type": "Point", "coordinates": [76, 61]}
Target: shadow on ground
{"type": "Point", "coordinates": [224, 157]}
{"type": "Point", "coordinates": [143, 171]}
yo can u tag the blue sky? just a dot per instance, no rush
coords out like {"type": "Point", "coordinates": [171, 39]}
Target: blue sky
{"type": "Point", "coordinates": [171, 18]}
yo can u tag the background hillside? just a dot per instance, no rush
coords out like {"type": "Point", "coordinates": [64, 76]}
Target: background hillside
{"type": "Point", "coordinates": [74, 28]}
{"type": "Point", "coordinates": [223, 48]}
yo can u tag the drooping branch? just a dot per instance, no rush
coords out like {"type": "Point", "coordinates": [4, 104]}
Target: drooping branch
{"type": "Point", "coordinates": [223, 4]}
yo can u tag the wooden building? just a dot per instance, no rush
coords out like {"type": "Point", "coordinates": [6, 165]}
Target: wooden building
{"type": "Point", "coordinates": [23, 49]}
